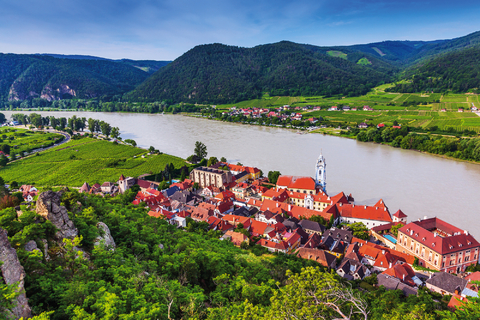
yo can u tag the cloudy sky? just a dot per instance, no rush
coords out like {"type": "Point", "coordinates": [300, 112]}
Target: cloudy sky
{"type": "Point", "coordinates": [165, 29]}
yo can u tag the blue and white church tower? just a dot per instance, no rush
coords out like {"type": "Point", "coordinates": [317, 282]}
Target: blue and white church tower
{"type": "Point", "coordinates": [321, 174]}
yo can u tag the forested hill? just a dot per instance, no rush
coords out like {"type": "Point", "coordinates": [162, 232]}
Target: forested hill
{"type": "Point", "coordinates": [219, 73]}
{"type": "Point", "coordinates": [457, 71]}
{"type": "Point", "coordinates": [41, 76]}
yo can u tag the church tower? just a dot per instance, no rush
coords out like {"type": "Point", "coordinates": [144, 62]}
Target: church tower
{"type": "Point", "coordinates": [321, 173]}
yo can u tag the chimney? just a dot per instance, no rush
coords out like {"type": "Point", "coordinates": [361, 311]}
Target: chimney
{"type": "Point", "coordinates": [376, 208]}
{"type": "Point", "coordinates": [383, 251]}
{"type": "Point", "coordinates": [365, 207]}
{"type": "Point", "coordinates": [289, 207]}
{"type": "Point", "coordinates": [466, 232]}
{"type": "Point", "coordinates": [353, 205]}
{"type": "Point", "coordinates": [390, 265]}
{"type": "Point", "coordinates": [277, 204]}
{"type": "Point", "coordinates": [403, 278]}
{"type": "Point", "coordinates": [435, 235]}
{"type": "Point", "coordinates": [424, 217]}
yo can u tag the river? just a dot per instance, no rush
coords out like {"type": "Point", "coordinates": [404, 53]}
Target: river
{"type": "Point", "coordinates": [419, 184]}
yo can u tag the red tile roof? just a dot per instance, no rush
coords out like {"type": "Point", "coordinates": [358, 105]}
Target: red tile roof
{"type": "Point", "coordinates": [399, 214]}
{"type": "Point", "coordinates": [457, 240]}
{"type": "Point", "coordinates": [403, 272]}
{"type": "Point", "coordinates": [296, 182]}
{"type": "Point", "coordinates": [365, 212]}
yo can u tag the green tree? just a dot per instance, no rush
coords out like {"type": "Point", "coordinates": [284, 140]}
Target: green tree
{"type": "Point", "coordinates": [115, 132]}
{"type": "Point", "coordinates": [212, 161]}
{"type": "Point", "coordinates": [200, 150]}
{"type": "Point", "coordinates": [273, 176]}
{"type": "Point", "coordinates": [106, 128]}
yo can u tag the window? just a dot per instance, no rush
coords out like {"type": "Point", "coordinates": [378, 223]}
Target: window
{"type": "Point", "coordinates": [443, 264]}
{"type": "Point", "coordinates": [467, 258]}
{"type": "Point", "coordinates": [459, 260]}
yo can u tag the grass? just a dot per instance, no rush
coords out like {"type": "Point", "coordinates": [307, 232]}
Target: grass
{"type": "Point", "coordinates": [23, 140]}
{"type": "Point", "coordinates": [337, 54]}
{"type": "Point", "coordinates": [85, 160]}
{"type": "Point", "coordinates": [364, 62]}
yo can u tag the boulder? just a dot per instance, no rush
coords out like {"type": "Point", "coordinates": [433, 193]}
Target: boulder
{"type": "Point", "coordinates": [45, 249]}
{"type": "Point", "coordinates": [13, 272]}
{"type": "Point", "coordinates": [48, 206]}
{"type": "Point", "coordinates": [106, 238]}
{"type": "Point", "coordinates": [31, 245]}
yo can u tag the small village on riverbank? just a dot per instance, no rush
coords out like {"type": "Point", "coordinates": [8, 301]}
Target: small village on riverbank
{"type": "Point", "coordinates": [296, 216]}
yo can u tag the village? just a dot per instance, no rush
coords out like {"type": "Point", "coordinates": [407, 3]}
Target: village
{"type": "Point", "coordinates": [297, 216]}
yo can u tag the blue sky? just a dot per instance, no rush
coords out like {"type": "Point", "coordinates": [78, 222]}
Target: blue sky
{"type": "Point", "coordinates": [165, 29]}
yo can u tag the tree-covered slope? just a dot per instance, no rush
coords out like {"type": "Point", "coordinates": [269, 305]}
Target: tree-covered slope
{"type": "Point", "coordinates": [34, 76]}
{"type": "Point", "coordinates": [218, 73]}
{"type": "Point", "coordinates": [457, 71]}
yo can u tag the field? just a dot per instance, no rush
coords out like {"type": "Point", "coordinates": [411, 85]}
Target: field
{"type": "Point", "coordinates": [22, 140]}
{"type": "Point", "coordinates": [413, 109]}
{"type": "Point", "coordinates": [85, 160]}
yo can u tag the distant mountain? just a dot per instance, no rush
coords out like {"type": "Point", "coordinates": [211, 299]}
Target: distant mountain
{"type": "Point", "coordinates": [44, 76]}
{"type": "Point", "coordinates": [149, 66]}
{"type": "Point", "coordinates": [219, 73]}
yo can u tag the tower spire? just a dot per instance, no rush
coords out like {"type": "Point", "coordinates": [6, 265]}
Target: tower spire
{"type": "Point", "coordinates": [321, 173]}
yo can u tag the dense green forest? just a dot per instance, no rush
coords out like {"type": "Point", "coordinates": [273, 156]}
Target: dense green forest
{"type": "Point", "coordinates": [40, 76]}
{"type": "Point", "coordinates": [219, 74]}
{"type": "Point", "coordinates": [157, 271]}
{"type": "Point", "coordinates": [456, 71]}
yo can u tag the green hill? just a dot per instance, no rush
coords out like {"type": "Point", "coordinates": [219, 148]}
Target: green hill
{"type": "Point", "coordinates": [456, 71]}
{"type": "Point", "coordinates": [42, 76]}
{"type": "Point", "coordinates": [218, 73]}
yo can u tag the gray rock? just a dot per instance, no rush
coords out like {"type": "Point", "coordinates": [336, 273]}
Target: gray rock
{"type": "Point", "coordinates": [13, 272]}
{"type": "Point", "coordinates": [106, 239]}
{"type": "Point", "coordinates": [48, 206]}
{"type": "Point", "coordinates": [45, 249]}
{"type": "Point", "coordinates": [31, 245]}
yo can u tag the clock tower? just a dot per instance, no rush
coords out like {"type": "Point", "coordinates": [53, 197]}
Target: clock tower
{"type": "Point", "coordinates": [321, 173]}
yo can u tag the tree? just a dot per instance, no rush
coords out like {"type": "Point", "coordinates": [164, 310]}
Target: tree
{"type": "Point", "coordinates": [115, 132]}
{"type": "Point", "coordinates": [359, 230]}
{"type": "Point", "coordinates": [395, 228]}
{"type": "Point", "coordinates": [106, 128]}
{"type": "Point", "coordinates": [200, 150]}
{"type": "Point", "coordinates": [212, 161]}
{"type": "Point", "coordinates": [273, 176]}
{"type": "Point", "coordinates": [223, 159]}
{"type": "Point", "coordinates": [92, 125]}
{"type": "Point", "coordinates": [130, 141]}
{"type": "Point", "coordinates": [313, 294]}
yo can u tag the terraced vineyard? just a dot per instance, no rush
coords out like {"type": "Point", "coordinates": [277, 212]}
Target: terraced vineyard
{"type": "Point", "coordinates": [91, 160]}
{"type": "Point", "coordinates": [23, 140]}
{"type": "Point", "coordinates": [413, 109]}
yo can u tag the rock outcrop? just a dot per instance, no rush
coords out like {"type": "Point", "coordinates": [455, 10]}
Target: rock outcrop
{"type": "Point", "coordinates": [48, 206]}
{"type": "Point", "coordinates": [106, 239]}
{"type": "Point", "coordinates": [13, 272]}
{"type": "Point", "coordinates": [30, 246]}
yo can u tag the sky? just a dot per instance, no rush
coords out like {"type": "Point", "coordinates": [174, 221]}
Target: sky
{"type": "Point", "coordinates": [165, 29]}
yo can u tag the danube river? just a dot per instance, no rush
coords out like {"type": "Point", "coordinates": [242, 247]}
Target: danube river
{"type": "Point", "coordinates": [419, 184]}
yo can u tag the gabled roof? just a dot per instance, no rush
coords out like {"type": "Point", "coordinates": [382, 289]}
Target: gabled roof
{"type": "Point", "coordinates": [324, 258]}
{"type": "Point", "coordinates": [293, 182]}
{"type": "Point", "coordinates": [402, 272]}
{"type": "Point", "coordinates": [451, 240]}
{"type": "Point", "coordinates": [365, 212]}
{"type": "Point", "coordinates": [312, 225]}
{"type": "Point", "coordinates": [447, 282]}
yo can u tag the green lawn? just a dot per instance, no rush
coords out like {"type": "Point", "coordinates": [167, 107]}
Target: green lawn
{"type": "Point", "coordinates": [338, 54]}
{"type": "Point", "coordinates": [87, 159]}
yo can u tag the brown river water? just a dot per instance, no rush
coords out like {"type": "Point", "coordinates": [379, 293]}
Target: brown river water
{"type": "Point", "coordinates": [419, 184]}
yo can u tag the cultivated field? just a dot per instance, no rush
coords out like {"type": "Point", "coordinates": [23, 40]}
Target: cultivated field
{"type": "Point", "coordinates": [413, 109]}
{"type": "Point", "coordinates": [85, 160]}
{"type": "Point", "coordinates": [22, 140]}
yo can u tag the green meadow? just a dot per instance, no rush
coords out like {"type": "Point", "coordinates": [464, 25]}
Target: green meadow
{"type": "Point", "coordinates": [85, 160]}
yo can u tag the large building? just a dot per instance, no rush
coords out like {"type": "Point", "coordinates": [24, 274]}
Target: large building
{"type": "Point", "coordinates": [210, 177]}
{"type": "Point", "coordinates": [438, 245]}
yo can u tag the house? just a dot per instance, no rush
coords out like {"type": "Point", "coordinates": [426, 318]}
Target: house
{"type": "Point", "coordinates": [405, 274]}
{"type": "Point", "coordinates": [446, 283]}
{"type": "Point", "coordinates": [392, 283]}
{"type": "Point", "coordinates": [363, 125]}
{"type": "Point", "coordinates": [399, 216]}
{"type": "Point", "coordinates": [324, 258]}
{"type": "Point", "coordinates": [210, 191]}
{"type": "Point", "coordinates": [460, 109]}
{"type": "Point", "coordinates": [370, 216]}
{"type": "Point", "coordinates": [236, 238]}
{"type": "Point", "coordinates": [297, 184]}
{"type": "Point", "coordinates": [84, 188]}
{"type": "Point", "coordinates": [312, 227]}
{"type": "Point", "coordinates": [438, 245]}
{"type": "Point", "coordinates": [145, 184]}
{"type": "Point", "coordinates": [108, 187]}
{"type": "Point", "coordinates": [206, 176]}
{"type": "Point", "coordinates": [313, 241]}
{"type": "Point", "coordinates": [125, 183]}
{"type": "Point", "coordinates": [334, 246]}
{"type": "Point", "coordinates": [367, 108]}
{"type": "Point", "coordinates": [352, 270]}
{"type": "Point", "coordinates": [380, 125]}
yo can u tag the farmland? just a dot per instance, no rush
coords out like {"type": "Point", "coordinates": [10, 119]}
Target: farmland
{"type": "Point", "coordinates": [86, 159]}
{"type": "Point", "coordinates": [22, 140]}
{"type": "Point", "coordinates": [413, 109]}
